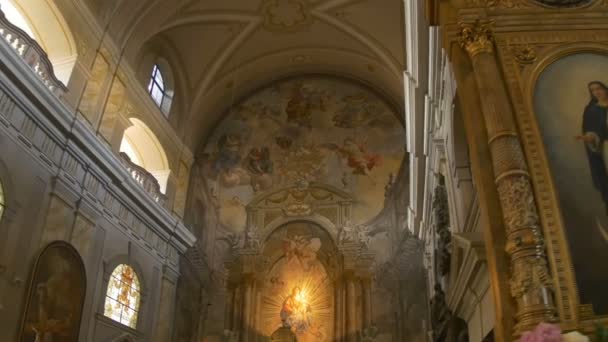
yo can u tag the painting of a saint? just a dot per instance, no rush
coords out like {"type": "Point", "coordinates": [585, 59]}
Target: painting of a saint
{"type": "Point", "coordinates": [298, 292]}
{"type": "Point", "coordinates": [306, 129]}
{"type": "Point", "coordinates": [571, 106]}
{"type": "Point", "coordinates": [56, 296]}
{"type": "Point", "coordinates": [595, 137]}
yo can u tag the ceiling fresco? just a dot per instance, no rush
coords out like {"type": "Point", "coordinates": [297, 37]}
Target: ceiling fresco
{"type": "Point", "coordinates": [302, 130]}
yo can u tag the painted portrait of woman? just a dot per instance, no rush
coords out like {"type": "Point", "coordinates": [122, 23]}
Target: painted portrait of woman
{"type": "Point", "coordinates": [571, 108]}
{"type": "Point", "coordinates": [595, 136]}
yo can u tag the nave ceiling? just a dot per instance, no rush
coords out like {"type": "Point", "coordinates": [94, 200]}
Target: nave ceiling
{"type": "Point", "coordinates": [222, 51]}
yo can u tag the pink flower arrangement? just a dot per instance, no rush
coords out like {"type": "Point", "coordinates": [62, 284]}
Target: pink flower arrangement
{"type": "Point", "coordinates": [543, 332]}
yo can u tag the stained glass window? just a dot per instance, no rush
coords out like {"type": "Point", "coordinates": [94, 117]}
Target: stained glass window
{"type": "Point", "coordinates": [122, 298]}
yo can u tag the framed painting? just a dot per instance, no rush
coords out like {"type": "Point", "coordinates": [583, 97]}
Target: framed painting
{"type": "Point", "coordinates": [571, 108]}
{"type": "Point", "coordinates": [56, 296]}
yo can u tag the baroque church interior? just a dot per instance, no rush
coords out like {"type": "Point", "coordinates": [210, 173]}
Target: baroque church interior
{"type": "Point", "coordinates": [303, 170]}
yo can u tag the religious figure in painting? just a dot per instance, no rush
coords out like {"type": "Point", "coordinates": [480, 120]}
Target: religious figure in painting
{"type": "Point", "coordinates": [302, 250]}
{"type": "Point", "coordinates": [55, 303]}
{"type": "Point", "coordinates": [260, 167]}
{"type": "Point", "coordinates": [303, 100]}
{"type": "Point", "coordinates": [296, 311]}
{"type": "Point", "coordinates": [595, 136]}
{"type": "Point", "coordinates": [229, 152]}
{"type": "Point", "coordinates": [356, 155]}
{"type": "Point", "coordinates": [47, 326]}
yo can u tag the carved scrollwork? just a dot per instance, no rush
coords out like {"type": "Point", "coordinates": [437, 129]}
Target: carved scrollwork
{"type": "Point", "coordinates": [476, 37]}
{"type": "Point", "coordinates": [517, 201]}
{"type": "Point", "coordinates": [524, 54]}
{"type": "Point", "coordinates": [563, 3]}
{"type": "Point", "coordinates": [492, 4]}
{"type": "Point", "coordinates": [498, 3]}
{"type": "Point", "coordinates": [534, 274]}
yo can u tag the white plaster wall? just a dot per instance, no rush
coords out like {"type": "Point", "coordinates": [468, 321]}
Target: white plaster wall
{"type": "Point", "coordinates": [61, 183]}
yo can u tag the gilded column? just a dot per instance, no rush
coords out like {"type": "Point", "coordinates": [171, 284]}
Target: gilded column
{"type": "Point", "coordinates": [351, 309]}
{"type": "Point", "coordinates": [530, 281]}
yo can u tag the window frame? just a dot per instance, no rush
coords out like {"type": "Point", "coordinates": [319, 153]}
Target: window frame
{"type": "Point", "coordinates": [158, 84]}
{"type": "Point", "coordinates": [136, 289]}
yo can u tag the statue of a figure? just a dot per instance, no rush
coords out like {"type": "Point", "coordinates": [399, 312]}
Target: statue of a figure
{"type": "Point", "coordinates": [347, 233]}
{"type": "Point", "coordinates": [252, 239]}
{"type": "Point", "coordinates": [440, 313]}
{"type": "Point", "coordinates": [444, 251]}
{"type": "Point", "coordinates": [363, 235]}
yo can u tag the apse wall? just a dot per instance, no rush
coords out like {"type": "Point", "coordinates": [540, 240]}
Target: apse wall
{"type": "Point", "coordinates": [304, 129]}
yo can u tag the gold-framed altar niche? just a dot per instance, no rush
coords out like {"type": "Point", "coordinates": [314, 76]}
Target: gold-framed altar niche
{"type": "Point", "coordinates": [524, 57]}
{"type": "Point", "coordinates": [56, 295]}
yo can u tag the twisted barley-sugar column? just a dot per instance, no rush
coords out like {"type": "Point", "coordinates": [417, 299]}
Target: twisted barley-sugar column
{"type": "Point", "coordinates": [530, 282]}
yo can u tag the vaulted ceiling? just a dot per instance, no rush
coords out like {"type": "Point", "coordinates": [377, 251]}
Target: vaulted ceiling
{"type": "Point", "coordinates": [225, 49]}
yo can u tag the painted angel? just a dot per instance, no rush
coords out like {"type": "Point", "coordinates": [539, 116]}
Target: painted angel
{"type": "Point", "coordinates": [356, 155]}
{"type": "Point", "coordinates": [303, 250]}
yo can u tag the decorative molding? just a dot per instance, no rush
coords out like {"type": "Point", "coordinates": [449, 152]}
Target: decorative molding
{"type": "Point", "coordinates": [286, 15]}
{"type": "Point", "coordinates": [521, 80]}
{"type": "Point", "coordinates": [83, 165]}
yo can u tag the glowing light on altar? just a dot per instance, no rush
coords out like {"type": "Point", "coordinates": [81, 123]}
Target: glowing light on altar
{"type": "Point", "coordinates": [302, 296]}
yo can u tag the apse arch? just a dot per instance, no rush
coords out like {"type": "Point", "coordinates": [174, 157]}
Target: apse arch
{"type": "Point", "coordinates": [45, 22]}
{"type": "Point", "coordinates": [304, 146]}
{"type": "Point", "coordinates": [298, 281]}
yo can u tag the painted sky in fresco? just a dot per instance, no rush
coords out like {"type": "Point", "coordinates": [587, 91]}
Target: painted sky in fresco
{"type": "Point", "coordinates": [303, 130]}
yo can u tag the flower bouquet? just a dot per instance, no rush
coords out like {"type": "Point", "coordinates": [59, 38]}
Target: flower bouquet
{"type": "Point", "coordinates": [546, 332]}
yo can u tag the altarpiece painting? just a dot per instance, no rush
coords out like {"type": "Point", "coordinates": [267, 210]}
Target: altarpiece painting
{"type": "Point", "coordinates": [571, 106]}
{"type": "Point", "coordinates": [56, 296]}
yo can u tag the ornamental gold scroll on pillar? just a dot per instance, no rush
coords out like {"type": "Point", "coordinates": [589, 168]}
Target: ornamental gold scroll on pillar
{"type": "Point", "coordinates": [530, 281]}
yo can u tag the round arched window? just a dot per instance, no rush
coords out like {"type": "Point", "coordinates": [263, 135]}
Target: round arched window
{"type": "Point", "coordinates": [123, 296]}
{"type": "Point", "coordinates": [160, 88]}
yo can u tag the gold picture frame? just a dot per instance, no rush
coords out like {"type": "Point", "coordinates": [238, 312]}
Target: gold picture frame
{"type": "Point", "coordinates": [524, 56]}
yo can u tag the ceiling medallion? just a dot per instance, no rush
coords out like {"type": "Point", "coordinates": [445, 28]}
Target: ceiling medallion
{"type": "Point", "coordinates": [286, 15]}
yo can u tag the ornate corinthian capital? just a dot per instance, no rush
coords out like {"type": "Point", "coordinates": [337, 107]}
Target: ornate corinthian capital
{"type": "Point", "coordinates": [476, 37]}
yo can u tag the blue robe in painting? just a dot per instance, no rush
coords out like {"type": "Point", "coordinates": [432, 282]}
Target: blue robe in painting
{"type": "Point", "coordinates": [594, 121]}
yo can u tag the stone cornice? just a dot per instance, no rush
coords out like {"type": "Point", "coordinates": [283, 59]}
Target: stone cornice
{"type": "Point", "coordinates": [68, 148]}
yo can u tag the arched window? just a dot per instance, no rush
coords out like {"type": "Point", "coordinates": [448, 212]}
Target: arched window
{"type": "Point", "coordinates": [123, 296]}
{"type": "Point", "coordinates": [43, 21]}
{"type": "Point", "coordinates": [160, 87]}
{"type": "Point", "coordinates": [13, 15]}
{"type": "Point", "coordinates": [143, 148]}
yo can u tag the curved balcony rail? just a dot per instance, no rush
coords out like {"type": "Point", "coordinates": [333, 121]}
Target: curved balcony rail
{"type": "Point", "coordinates": [32, 54]}
{"type": "Point", "coordinates": [144, 178]}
